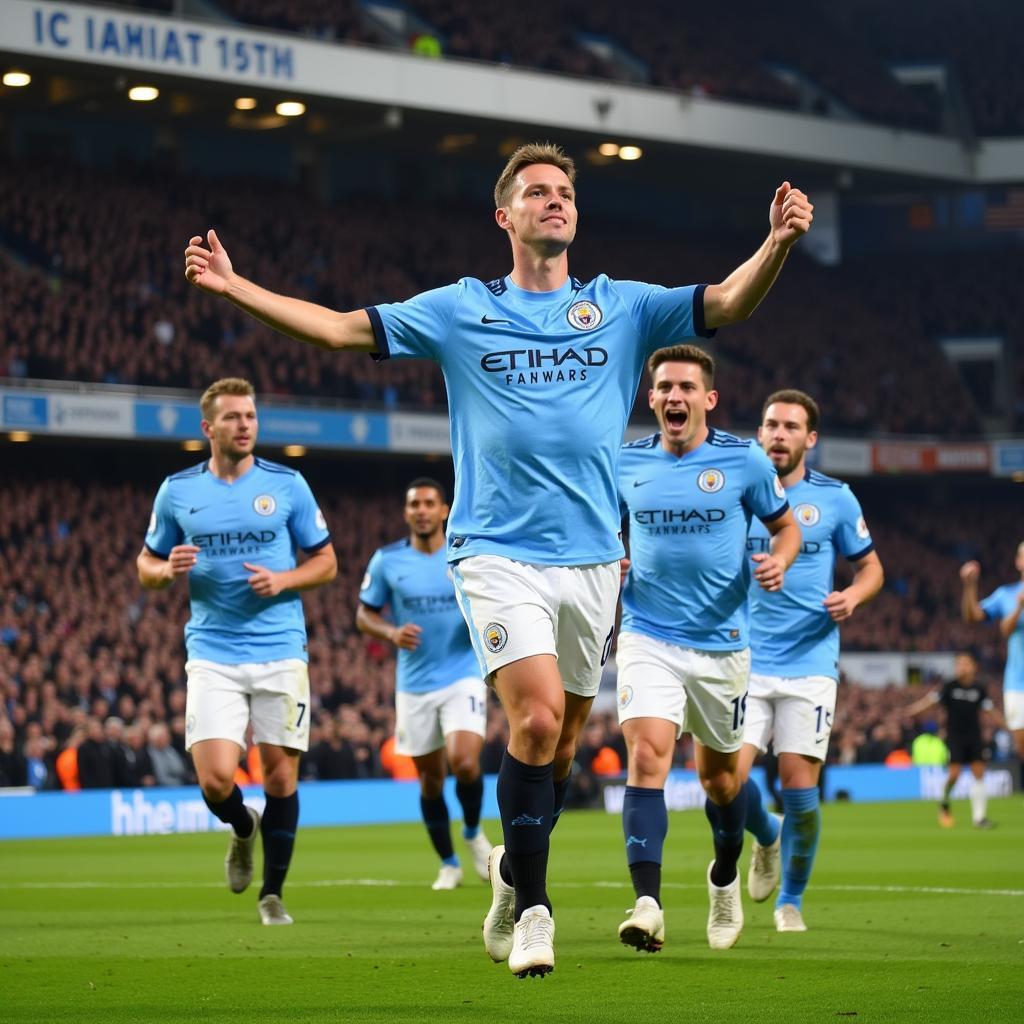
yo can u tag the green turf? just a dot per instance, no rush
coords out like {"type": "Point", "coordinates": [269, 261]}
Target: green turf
{"type": "Point", "coordinates": [157, 937]}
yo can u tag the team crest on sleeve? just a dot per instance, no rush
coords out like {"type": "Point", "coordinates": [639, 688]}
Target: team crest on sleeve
{"type": "Point", "coordinates": [264, 504]}
{"type": "Point", "coordinates": [320, 521]}
{"type": "Point", "coordinates": [807, 515]}
{"type": "Point", "coordinates": [495, 636]}
{"type": "Point", "coordinates": [780, 492]}
{"type": "Point", "coordinates": [365, 583]}
{"type": "Point", "coordinates": [625, 696]}
{"type": "Point", "coordinates": [862, 528]}
{"type": "Point", "coordinates": [152, 522]}
{"type": "Point", "coordinates": [711, 480]}
{"type": "Point", "coordinates": [584, 316]}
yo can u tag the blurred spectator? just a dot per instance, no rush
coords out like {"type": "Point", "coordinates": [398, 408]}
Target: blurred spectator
{"type": "Point", "coordinates": [132, 764]}
{"type": "Point", "coordinates": [95, 758]}
{"type": "Point", "coordinates": [169, 767]}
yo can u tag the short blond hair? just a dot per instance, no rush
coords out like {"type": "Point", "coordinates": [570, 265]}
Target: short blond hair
{"type": "Point", "coordinates": [224, 386]}
{"type": "Point", "coordinates": [525, 156]}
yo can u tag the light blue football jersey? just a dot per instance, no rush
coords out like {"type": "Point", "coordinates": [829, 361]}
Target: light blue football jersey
{"type": "Point", "coordinates": [419, 590]}
{"type": "Point", "coordinates": [791, 633]}
{"type": "Point", "coordinates": [540, 385]}
{"type": "Point", "coordinates": [261, 518]}
{"type": "Point", "coordinates": [997, 606]}
{"type": "Point", "coordinates": [688, 521]}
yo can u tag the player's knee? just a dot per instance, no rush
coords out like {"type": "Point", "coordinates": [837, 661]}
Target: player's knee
{"type": "Point", "coordinates": [646, 761]}
{"type": "Point", "coordinates": [539, 728]}
{"type": "Point", "coordinates": [216, 786]}
{"type": "Point", "coordinates": [721, 787]}
{"type": "Point", "coordinates": [431, 785]}
{"type": "Point", "coordinates": [465, 768]}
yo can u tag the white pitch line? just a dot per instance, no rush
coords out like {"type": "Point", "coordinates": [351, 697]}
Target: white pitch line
{"type": "Point", "coordinates": [927, 890]}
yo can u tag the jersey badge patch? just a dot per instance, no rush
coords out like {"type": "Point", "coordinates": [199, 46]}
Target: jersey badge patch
{"type": "Point", "coordinates": [584, 316]}
{"type": "Point", "coordinates": [807, 515]}
{"type": "Point", "coordinates": [711, 480]}
{"type": "Point", "coordinates": [625, 696]}
{"type": "Point", "coordinates": [264, 505]}
{"type": "Point", "coordinates": [495, 636]}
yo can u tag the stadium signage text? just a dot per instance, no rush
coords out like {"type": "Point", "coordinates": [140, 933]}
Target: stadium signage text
{"type": "Point", "coordinates": [69, 31]}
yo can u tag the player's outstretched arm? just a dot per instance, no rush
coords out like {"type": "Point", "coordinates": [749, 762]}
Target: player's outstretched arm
{"type": "Point", "coordinates": [970, 607]}
{"type": "Point", "coordinates": [930, 699]}
{"type": "Point", "coordinates": [742, 291]}
{"type": "Point", "coordinates": [156, 573]}
{"type": "Point", "coordinates": [867, 581]}
{"type": "Point", "coordinates": [209, 269]}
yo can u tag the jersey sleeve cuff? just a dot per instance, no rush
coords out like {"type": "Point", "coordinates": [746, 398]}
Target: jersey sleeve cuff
{"type": "Point", "coordinates": [318, 546]}
{"type": "Point", "coordinates": [700, 327]}
{"type": "Point", "coordinates": [157, 554]}
{"type": "Point", "coordinates": [860, 554]}
{"type": "Point", "coordinates": [775, 515]}
{"type": "Point", "coordinates": [380, 335]}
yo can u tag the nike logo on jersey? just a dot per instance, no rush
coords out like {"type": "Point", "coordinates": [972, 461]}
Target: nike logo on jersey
{"type": "Point", "coordinates": [193, 511]}
{"type": "Point", "coordinates": [489, 320]}
{"type": "Point", "coordinates": [640, 483]}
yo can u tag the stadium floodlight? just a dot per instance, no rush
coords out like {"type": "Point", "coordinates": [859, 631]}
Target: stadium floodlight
{"type": "Point", "coordinates": [17, 79]}
{"type": "Point", "coordinates": [19, 436]}
{"type": "Point", "coordinates": [143, 93]}
{"type": "Point", "coordinates": [290, 108]}
{"type": "Point", "coordinates": [245, 103]}
{"type": "Point", "coordinates": [192, 446]}
{"type": "Point", "coordinates": [630, 153]}
{"type": "Point", "coordinates": [608, 149]}
{"type": "Point", "coordinates": [296, 451]}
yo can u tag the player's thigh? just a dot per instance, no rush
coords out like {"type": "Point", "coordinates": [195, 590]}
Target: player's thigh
{"type": "Point", "coordinates": [418, 723]}
{"type": "Point", "coordinates": [509, 607]}
{"type": "Point", "coordinates": [716, 692]}
{"type": "Point", "coordinates": [586, 621]}
{"type": "Point", "coordinates": [280, 769]}
{"type": "Point", "coordinates": [650, 746]}
{"type": "Point", "coordinates": [280, 703]}
{"type": "Point", "coordinates": [216, 703]}
{"type": "Point", "coordinates": [650, 683]}
{"type": "Point", "coordinates": [804, 716]}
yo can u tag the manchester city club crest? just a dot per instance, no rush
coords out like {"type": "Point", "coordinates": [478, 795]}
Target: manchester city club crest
{"type": "Point", "coordinates": [584, 316]}
{"type": "Point", "coordinates": [711, 480]}
{"type": "Point", "coordinates": [495, 636]}
{"type": "Point", "coordinates": [264, 505]}
{"type": "Point", "coordinates": [807, 515]}
{"type": "Point", "coordinates": [625, 696]}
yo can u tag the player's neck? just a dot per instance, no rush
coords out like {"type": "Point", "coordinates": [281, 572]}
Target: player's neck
{"type": "Point", "coordinates": [536, 273]}
{"type": "Point", "coordinates": [685, 447]}
{"type": "Point", "coordinates": [428, 545]}
{"type": "Point", "coordinates": [230, 470]}
{"type": "Point", "coordinates": [795, 475]}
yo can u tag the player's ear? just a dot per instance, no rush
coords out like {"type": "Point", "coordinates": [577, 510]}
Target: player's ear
{"type": "Point", "coordinates": [711, 400]}
{"type": "Point", "coordinates": [207, 429]}
{"type": "Point", "coordinates": [502, 217]}
{"type": "Point", "coordinates": [812, 438]}
{"type": "Point", "coordinates": [650, 398]}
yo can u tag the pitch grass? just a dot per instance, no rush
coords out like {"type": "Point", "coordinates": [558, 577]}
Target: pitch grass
{"type": "Point", "coordinates": [143, 929]}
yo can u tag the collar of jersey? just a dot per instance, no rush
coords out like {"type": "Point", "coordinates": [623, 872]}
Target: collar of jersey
{"type": "Point", "coordinates": [530, 296]}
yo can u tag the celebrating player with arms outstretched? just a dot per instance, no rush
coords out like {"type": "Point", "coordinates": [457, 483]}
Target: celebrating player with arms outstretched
{"type": "Point", "coordinates": [230, 526]}
{"type": "Point", "coordinates": [794, 642]}
{"type": "Point", "coordinates": [541, 371]}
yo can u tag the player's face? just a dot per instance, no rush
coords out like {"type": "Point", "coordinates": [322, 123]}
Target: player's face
{"type": "Point", "coordinates": [965, 668]}
{"type": "Point", "coordinates": [784, 435]}
{"type": "Point", "coordinates": [425, 512]}
{"type": "Point", "coordinates": [681, 402]}
{"type": "Point", "coordinates": [232, 431]}
{"type": "Point", "coordinates": [542, 210]}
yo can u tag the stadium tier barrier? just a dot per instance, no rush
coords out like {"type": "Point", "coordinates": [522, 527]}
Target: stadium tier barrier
{"type": "Point", "coordinates": [117, 812]}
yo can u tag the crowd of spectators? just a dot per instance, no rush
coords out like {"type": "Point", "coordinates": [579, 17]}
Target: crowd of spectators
{"type": "Point", "coordinates": [93, 664]}
{"type": "Point", "coordinates": [863, 333]}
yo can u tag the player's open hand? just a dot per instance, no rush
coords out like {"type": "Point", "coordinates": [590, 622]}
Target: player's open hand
{"type": "Point", "coordinates": [624, 564]}
{"type": "Point", "coordinates": [839, 605]}
{"type": "Point", "coordinates": [182, 559]}
{"type": "Point", "coordinates": [970, 573]}
{"type": "Point", "coordinates": [209, 269]}
{"type": "Point", "coordinates": [407, 637]}
{"type": "Point", "coordinates": [263, 582]}
{"type": "Point", "coordinates": [791, 214]}
{"type": "Point", "coordinates": [770, 571]}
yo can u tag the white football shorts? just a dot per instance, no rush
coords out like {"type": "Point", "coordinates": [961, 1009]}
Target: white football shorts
{"type": "Point", "coordinates": [222, 699]}
{"type": "Point", "coordinates": [1013, 709]}
{"type": "Point", "coordinates": [703, 692]}
{"type": "Point", "coordinates": [423, 720]}
{"type": "Point", "coordinates": [516, 610]}
{"type": "Point", "coordinates": [796, 714]}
